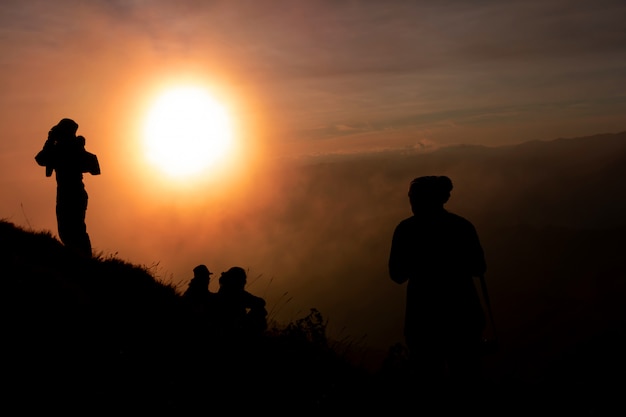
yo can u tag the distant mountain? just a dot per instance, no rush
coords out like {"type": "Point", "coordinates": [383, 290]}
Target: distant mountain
{"type": "Point", "coordinates": [551, 217]}
{"type": "Point", "coordinates": [574, 182]}
{"type": "Point", "coordinates": [334, 219]}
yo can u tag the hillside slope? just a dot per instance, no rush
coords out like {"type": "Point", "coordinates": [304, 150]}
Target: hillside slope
{"type": "Point", "coordinates": [104, 335]}
{"type": "Point", "coordinates": [103, 332]}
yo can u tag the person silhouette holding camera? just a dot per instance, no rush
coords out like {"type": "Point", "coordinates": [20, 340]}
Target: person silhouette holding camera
{"type": "Point", "coordinates": [65, 154]}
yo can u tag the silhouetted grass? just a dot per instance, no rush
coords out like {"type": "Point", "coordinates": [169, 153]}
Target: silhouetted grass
{"type": "Point", "coordinates": [103, 334]}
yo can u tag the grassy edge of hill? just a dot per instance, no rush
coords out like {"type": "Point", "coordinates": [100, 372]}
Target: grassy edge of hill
{"type": "Point", "coordinates": [103, 332]}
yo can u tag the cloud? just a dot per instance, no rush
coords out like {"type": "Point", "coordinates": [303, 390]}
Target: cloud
{"type": "Point", "coordinates": [400, 65]}
{"type": "Point", "coordinates": [320, 39]}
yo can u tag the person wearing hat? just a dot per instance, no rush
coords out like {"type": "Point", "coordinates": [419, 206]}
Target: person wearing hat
{"type": "Point", "coordinates": [438, 254]}
{"type": "Point", "coordinates": [197, 293]}
{"type": "Point", "coordinates": [65, 154]}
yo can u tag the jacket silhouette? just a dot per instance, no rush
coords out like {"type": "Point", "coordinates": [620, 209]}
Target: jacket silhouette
{"type": "Point", "coordinates": [198, 296]}
{"type": "Point", "coordinates": [438, 253]}
{"type": "Point", "coordinates": [238, 312]}
{"type": "Point", "coordinates": [65, 154]}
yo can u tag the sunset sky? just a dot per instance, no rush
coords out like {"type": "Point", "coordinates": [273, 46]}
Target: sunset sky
{"type": "Point", "coordinates": [298, 79]}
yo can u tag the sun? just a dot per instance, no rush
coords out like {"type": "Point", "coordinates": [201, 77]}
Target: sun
{"type": "Point", "coordinates": [186, 132]}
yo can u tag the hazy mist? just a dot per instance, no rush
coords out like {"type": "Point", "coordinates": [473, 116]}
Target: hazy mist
{"type": "Point", "coordinates": [316, 234]}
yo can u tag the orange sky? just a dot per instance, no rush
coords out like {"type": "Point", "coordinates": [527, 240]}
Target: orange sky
{"type": "Point", "coordinates": [301, 79]}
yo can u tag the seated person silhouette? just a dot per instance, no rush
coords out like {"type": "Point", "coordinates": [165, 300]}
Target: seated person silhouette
{"type": "Point", "coordinates": [197, 294]}
{"type": "Point", "coordinates": [238, 313]}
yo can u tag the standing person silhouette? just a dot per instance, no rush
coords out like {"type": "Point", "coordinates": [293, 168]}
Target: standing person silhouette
{"type": "Point", "coordinates": [64, 153]}
{"type": "Point", "coordinates": [438, 253]}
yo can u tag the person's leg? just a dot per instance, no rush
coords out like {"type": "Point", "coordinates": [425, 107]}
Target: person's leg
{"type": "Point", "coordinates": [428, 369]}
{"type": "Point", "coordinates": [84, 242]}
{"type": "Point", "coordinates": [71, 225]}
{"type": "Point", "coordinates": [464, 358]}
{"type": "Point", "coordinates": [464, 363]}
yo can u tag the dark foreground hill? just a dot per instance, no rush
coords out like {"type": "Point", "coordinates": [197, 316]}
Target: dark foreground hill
{"type": "Point", "coordinates": [102, 335]}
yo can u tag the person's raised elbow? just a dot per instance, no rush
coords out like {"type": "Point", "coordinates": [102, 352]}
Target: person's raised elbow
{"type": "Point", "coordinates": [397, 276]}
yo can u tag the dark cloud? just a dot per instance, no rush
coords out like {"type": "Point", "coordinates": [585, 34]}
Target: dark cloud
{"type": "Point", "coordinates": [315, 39]}
{"type": "Point", "coordinates": [319, 65]}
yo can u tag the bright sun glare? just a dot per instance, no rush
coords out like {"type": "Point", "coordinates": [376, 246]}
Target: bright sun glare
{"type": "Point", "coordinates": [186, 132]}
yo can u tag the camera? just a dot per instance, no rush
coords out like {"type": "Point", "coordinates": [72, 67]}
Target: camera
{"type": "Point", "coordinates": [56, 149]}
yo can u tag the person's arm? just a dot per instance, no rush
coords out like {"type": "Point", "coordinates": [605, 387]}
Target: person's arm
{"type": "Point", "coordinates": [89, 161]}
{"type": "Point", "coordinates": [91, 165]}
{"type": "Point", "coordinates": [252, 301]}
{"type": "Point", "coordinates": [399, 270]}
{"type": "Point", "coordinates": [479, 268]}
{"type": "Point", "coordinates": [45, 157]}
{"type": "Point", "coordinates": [478, 263]}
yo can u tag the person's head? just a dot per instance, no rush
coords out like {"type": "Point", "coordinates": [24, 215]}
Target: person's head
{"type": "Point", "coordinates": [67, 127]}
{"type": "Point", "coordinates": [63, 131]}
{"type": "Point", "coordinates": [233, 279]}
{"type": "Point", "coordinates": [429, 192]}
{"type": "Point", "coordinates": [201, 275]}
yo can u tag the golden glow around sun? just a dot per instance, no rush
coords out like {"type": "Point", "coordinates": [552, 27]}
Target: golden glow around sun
{"type": "Point", "coordinates": [186, 132]}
